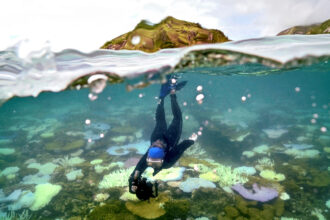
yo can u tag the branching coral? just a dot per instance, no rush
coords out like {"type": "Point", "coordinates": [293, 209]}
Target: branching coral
{"type": "Point", "coordinates": [195, 151]}
{"type": "Point", "coordinates": [118, 178]}
{"type": "Point", "coordinates": [265, 163]}
{"type": "Point", "coordinates": [229, 176]}
{"type": "Point", "coordinates": [66, 162]}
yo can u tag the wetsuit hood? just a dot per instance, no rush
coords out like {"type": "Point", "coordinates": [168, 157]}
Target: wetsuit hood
{"type": "Point", "coordinates": [156, 153]}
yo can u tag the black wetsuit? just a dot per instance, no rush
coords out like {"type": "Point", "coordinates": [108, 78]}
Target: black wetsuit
{"type": "Point", "coordinates": [171, 136]}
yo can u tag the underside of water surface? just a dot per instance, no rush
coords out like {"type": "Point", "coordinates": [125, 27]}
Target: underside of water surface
{"type": "Point", "coordinates": [67, 154]}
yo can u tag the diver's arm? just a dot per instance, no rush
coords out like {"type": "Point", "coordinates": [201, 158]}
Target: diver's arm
{"type": "Point", "coordinates": [137, 172]}
{"type": "Point", "coordinates": [176, 152]}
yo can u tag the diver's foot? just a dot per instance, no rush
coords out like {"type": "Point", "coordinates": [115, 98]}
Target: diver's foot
{"type": "Point", "coordinates": [171, 86]}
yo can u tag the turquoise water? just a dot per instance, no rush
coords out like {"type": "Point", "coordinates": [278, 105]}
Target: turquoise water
{"type": "Point", "coordinates": [274, 116]}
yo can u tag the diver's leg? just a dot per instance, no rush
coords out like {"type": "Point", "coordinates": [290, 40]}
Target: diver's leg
{"type": "Point", "coordinates": [161, 126]}
{"type": "Point", "coordinates": [174, 130]}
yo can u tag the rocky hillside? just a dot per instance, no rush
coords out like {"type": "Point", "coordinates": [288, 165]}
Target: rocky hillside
{"type": "Point", "coordinates": [169, 33]}
{"type": "Point", "coordinates": [323, 28]}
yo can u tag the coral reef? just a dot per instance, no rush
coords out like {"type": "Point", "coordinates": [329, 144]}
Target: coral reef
{"type": "Point", "coordinates": [177, 209]}
{"type": "Point", "coordinates": [67, 162]}
{"type": "Point", "coordinates": [101, 197]}
{"type": "Point", "coordinates": [253, 210]}
{"type": "Point", "coordinates": [139, 148]}
{"type": "Point", "coordinates": [259, 193]}
{"type": "Point", "coordinates": [44, 194]}
{"type": "Point", "coordinates": [149, 209]}
{"type": "Point", "coordinates": [128, 196]}
{"type": "Point", "coordinates": [9, 172]}
{"type": "Point", "coordinates": [25, 215]}
{"type": "Point", "coordinates": [264, 163]}
{"type": "Point", "coordinates": [210, 176]}
{"type": "Point", "coordinates": [271, 175]}
{"type": "Point", "coordinates": [296, 153]}
{"type": "Point", "coordinates": [7, 151]}
{"type": "Point", "coordinates": [74, 174]}
{"type": "Point", "coordinates": [114, 210]}
{"type": "Point", "coordinates": [170, 174]}
{"type": "Point", "coordinates": [229, 176]}
{"type": "Point", "coordinates": [209, 202]}
{"type": "Point", "coordinates": [60, 146]}
{"type": "Point", "coordinates": [191, 184]}
{"type": "Point", "coordinates": [275, 133]}
{"type": "Point", "coordinates": [195, 151]}
{"type": "Point", "coordinates": [99, 168]}
{"type": "Point", "coordinates": [96, 161]}
{"type": "Point", "coordinates": [132, 161]}
{"type": "Point", "coordinates": [44, 169]}
{"type": "Point", "coordinates": [118, 178]}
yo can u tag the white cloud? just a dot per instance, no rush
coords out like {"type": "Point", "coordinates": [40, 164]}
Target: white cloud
{"type": "Point", "coordinates": [87, 24]}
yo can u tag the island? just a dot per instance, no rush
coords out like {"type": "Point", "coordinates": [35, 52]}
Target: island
{"type": "Point", "coordinates": [169, 33]}
{"type": "Point", "coordinates": [321, 28]}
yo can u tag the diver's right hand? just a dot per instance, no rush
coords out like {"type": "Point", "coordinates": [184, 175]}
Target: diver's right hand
{"type": "Point", "coordinates": [133, 185]}
{"type": "Point", "coordinates": [133, 189]}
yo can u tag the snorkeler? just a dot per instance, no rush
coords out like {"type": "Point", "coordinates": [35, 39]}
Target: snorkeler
{"type": "Point", "coordinates": [164, 150]}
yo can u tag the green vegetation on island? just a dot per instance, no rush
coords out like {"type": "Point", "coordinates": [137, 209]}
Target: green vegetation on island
{"type": "Point", "coordinates": [323, 28]}
{"type": "Point", "coordinates": [169, 33]}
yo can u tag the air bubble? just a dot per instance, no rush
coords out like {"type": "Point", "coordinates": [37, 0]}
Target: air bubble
{"type": "Point", "coordinates": [97, 83]}
{"type": "Point", "coordinates": [92, 97]}
{"type": "Point", "coordinates": [199, 98]}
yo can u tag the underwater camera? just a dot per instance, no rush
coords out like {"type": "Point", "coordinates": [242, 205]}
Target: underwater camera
{"type": "Point", "coordinates": [146, 189]}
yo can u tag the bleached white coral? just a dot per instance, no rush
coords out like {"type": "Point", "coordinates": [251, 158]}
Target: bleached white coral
{"type": "Point", "coordinates": [74, 174]}
{"type": "Point", "coordinates": [118, 178]}
{"type": "Point", "coordinates": [310, 153]}
{"type": "Point", "coordinates": [128, 196]}
{"type": "Point", "coordinates": [264, 163]}
{"type": "Point", "coordinates": [170, 174]}
{"type": "Point", "coordinates": [47, 168]}
{"type": "Point", "coordinates": [25, 215]}
{"type": "Point", "coordinates": [66, 162]}
{"type": "Point", "coordinates": [100, 168]}
{"type": "Point", "coordinates": [229, 176]}
{"type": "Point", "coordinates": [101, 197]}
{"type": "Point", "coordinates": [195, 150]}
{"type": "Point", "coordinates": [9, 172]}
{"type": "Point", "coordinates": [318, 213]}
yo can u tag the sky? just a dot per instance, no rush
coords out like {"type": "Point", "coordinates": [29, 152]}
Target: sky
{"type": "Point", "coordinates": [87, 24]}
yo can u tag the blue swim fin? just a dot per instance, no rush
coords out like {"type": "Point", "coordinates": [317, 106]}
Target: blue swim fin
{"type": "Point", "coordinates": [168, 86]}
